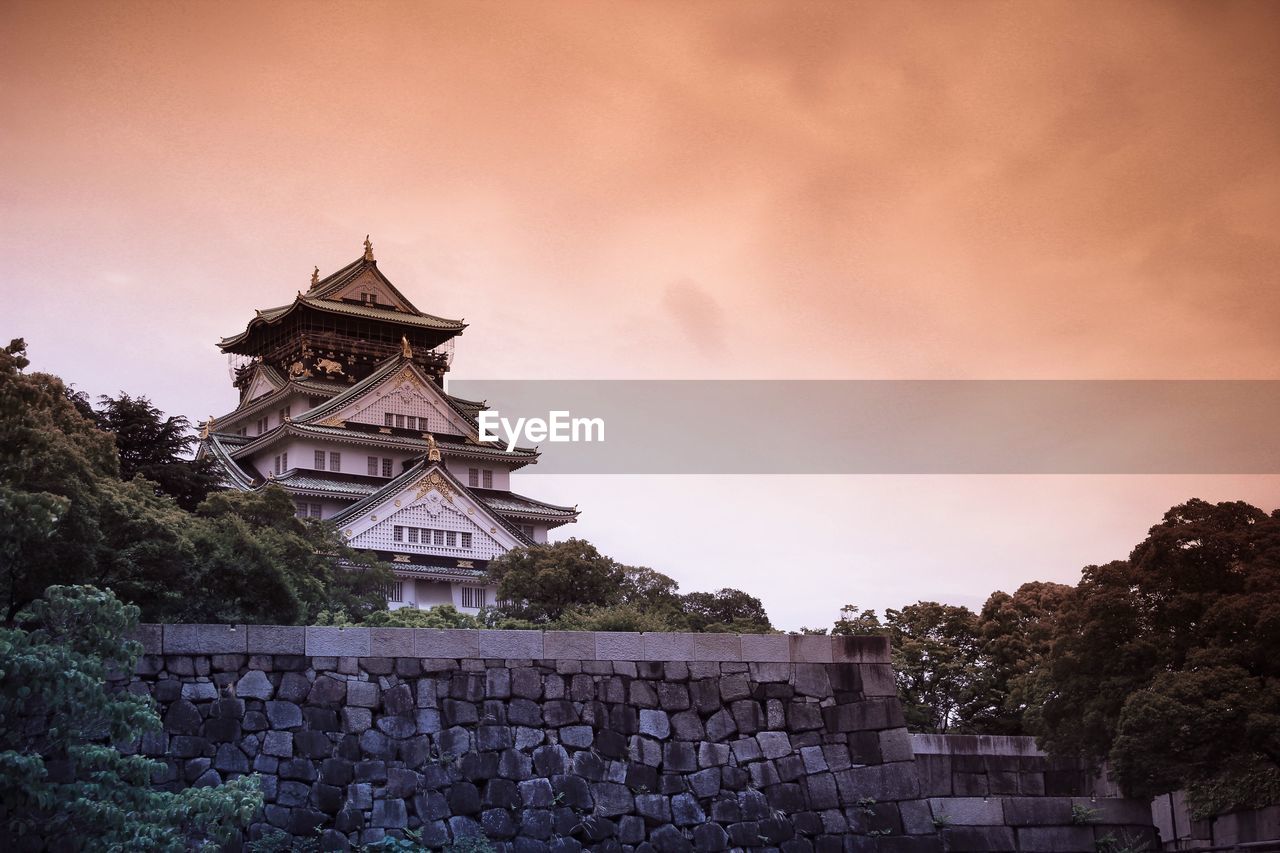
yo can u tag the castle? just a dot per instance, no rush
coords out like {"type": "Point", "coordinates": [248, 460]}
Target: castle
{"type": "Point", "coordinates": [343, 405]}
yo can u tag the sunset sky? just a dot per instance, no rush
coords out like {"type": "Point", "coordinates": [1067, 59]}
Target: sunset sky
{"type": "Point", "coordinates": [710, 190]}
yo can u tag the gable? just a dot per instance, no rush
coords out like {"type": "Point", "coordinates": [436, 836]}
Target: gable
{"type": "Point", "coordinates": [368, 282]}
{"type": "Point", "coordinates": [261, 384]}
{"type": "Point", "coordinates": [431, 503]}
{"type": "Point", "coordinates": [404, 394]}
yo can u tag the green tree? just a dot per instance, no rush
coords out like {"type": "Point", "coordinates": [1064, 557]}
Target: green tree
{"type": "Point", "coordinates": [63, 785]}
{"type": "Point", "coordinates": [725, 611]}
{"type": "Point", "coordinates": [936, 659]}
{"type": "Point", "coordinates": [67, 516]}
{"type": "Point", "coordinates": [440, 616]}
{"type": "Point", "coordinates": [1014, 633]}
{"type": "Point", "coordinates": [1177, 642]}
{"type": "Point", "coordinates": [541, 582]}
{"type": "Point", "coordinates": [157, 447]}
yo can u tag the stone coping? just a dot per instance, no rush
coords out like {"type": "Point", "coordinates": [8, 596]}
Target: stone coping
{"type": "Point", "coordinates": [318, 641]}
{"type": "Point", "coordinates": [932, 744]}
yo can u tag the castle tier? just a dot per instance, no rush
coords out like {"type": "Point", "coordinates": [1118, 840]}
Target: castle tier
{"type": "Point", "coordinates": [343, 405]}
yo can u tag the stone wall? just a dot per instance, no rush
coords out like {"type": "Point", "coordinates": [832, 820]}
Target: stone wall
{"type": "Point", "coordinates": [565, 741]}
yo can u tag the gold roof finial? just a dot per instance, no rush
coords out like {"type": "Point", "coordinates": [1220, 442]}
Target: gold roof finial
{"type": "Point", "coordinates": [433, 449]}
{"type": "Point", "coordinates": [315, 276]}
{"type": "Point", "coordinates": [405, 349]}
{"type": "Point", "coordinates": [205, 427]}
{"type": "Point", "coordinates": [368, 248]}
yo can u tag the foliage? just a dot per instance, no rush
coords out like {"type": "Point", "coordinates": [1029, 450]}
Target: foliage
{"type": "Point", "coordinates": [62, 784]}
{"type": "Point", "coordinates": [543, 581]}
{"type": "Point", "coordinates": [440, 616]}
{"type": "Point", "coordinates": [935, 652]}
{"type": "Point", "coordinates": [1082, 815]}
{"type": "Point", "coordinates": [156, 447]}
{"type": "Point", "coordinates": [1014, 632]}
{"type": "Point", "coordinates": [725, 610]}
{"type": "Point", "coordinates": [1252, 787]}
{"type": "Point", "coordinates": [69, 517]}
{"type": "Point", "coordinates": [1165, 662]}
{"type": "Point", "coordinates": [570, 585]}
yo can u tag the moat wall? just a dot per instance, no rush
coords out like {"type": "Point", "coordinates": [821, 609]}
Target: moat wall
{"type": "Point", "coordinates": [605, 741]}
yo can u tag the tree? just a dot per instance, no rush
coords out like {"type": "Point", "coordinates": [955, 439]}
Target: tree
{"type": "Point", "coordinates": [1014, 632]}
{"type": "Point", "coordinates": [725, 611]}
{"type": "Point", "coordinates": [936, 659]}
{"type": "Point", "coordinates": [68, 517]}
{"type": "Point", "coordinates": [440, 616]}
{"type": "Point", "coordinates": [258, 562]}
{"type": "Point", "coordinates": [542, 581]}
{"type": "Point", "coordinates": [63, 784]}
{"type": "Point", "coordinates": [1178, 641]}
{"type": "Point", "coordinates": [156, 447]}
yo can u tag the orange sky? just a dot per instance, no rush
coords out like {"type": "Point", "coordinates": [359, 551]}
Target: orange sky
{"type": "Point", "coordinates": [666, 190]}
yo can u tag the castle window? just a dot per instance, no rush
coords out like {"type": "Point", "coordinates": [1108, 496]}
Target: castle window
{"type": "Point", "coordinates": [373, 466]}
{"type": "Point", "coordinates": [395, 592]}
{"type": "Point", "coordinates": [439, 537]}
{"type": "Point", "coordinates": [466, 540]}
{"type": "Point", "coordinates": [284, 461]}
{"type": "Point", "coordinates": [386, 467]}
{"type": "Point", "coordinates": [335, 461]}
{"type": "Point", "coordinates": [473, 596]}
{"type": "Point", "coordinates": [397, 533]}
{"type": "Point", "coordinates": [488, 478]}
{"type": "Point", "coordinates": [276, 470]}
{"type": "Point", "coordinates": [243, 431]}
{"type": "Point", "coordinates": [263, 423]}
{"type": "Point", "coordinates": [527, 530]}
{"type": "Point", "coordinates": [315, 510]}
{"type": "Point", "coordinates": [390, 419]}
{"type": "Point", "coordinates": [319, 460]}
{"type": "Point", "coordinates": [284, 413]}
{"type": "Point", "coordinates": [399, 421]}
{"type": "Point", "coordinates": [473, 477]}
{"type": "Point", "coordinates": [450, 538]}
{"type": "Point", "coordinates": [369, 298]}
{"type": "Point", "coordinates": [413, 534]}
{"type": "Point", "coordinates": [302, 509]}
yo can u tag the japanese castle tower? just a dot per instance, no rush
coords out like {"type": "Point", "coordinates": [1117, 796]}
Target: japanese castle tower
{"type": "Point", "coordinates": [342, 404]}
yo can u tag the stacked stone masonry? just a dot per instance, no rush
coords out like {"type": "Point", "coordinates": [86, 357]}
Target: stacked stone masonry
{"type": "Point", "coordinates": [562, 741]}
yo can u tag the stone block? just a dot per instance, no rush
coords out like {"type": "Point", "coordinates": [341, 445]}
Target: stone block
{"type": "Point", "coordinates": [446, 643]}
{"type": "Point", "coordinates": [254, 685]}
{"type": "Point", "coordinates": [1056, 839]}
{"type": "Point", "coordinates": [1114, 810]}
{"type": "Point", "coordinates": [664, 646]}
{"type": "Point", "coordinates": [573, 645]}
{"type": "Point", "coordinates": [968, 811]}
{"type": "Point", "coordinates": [917, 817]}
{"type": "Point", "coordinates": [392, 643]}
{"type": "Point", "coordinates": [1037, 811]}
{"type": "Point", "coordinates": [337, 642]}
{"type": "Point", "coordinates": [860, 649]}
{"type": "Point", "coordinates": [810, 648]}
{"type": "Point", "coordinates": [655, 724]}
{"type": "Point", "coordinates": [151, 637]}
{"type": "Point", "coordinates": [511, 644]}
{"type": "Point", "coordinates": [766, 648]}
{"type": "Point", "coordinates": [862, 716]}
{"type": "Point", "coordinates": [877, 680]}
{"type": "Point", "coordinates": [979, 839]}
{"type": "Point", "coordinates": [717, 647]}
{"type": "Point", "coordinates": [205, 640]}
{"type": "Point", "coordinates": [619, 645]}
{"type": "Point", "coordinates": [895, 745]}
{"type": "Point", "coordinates": [277, 640]}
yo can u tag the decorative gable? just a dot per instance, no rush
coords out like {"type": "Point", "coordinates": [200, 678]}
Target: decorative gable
{"type": "Point", "coordinates": [261, 384]}
{"type": "Point", "coordinates": [368, 286]}
{"type": "Point", "coordinates": [406, 394]}
{"type": "Point", "coordinates": [438, 514]}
